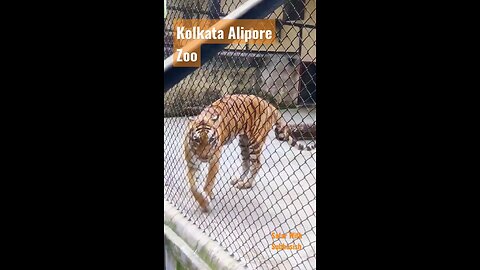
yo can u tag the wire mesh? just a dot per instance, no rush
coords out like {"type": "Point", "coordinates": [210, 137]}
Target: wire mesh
{"type": "Point", "coordinates": [282, 201]}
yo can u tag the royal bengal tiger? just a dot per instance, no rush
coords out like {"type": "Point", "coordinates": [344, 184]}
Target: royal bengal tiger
{"type": "Point", "coordinates": [246, 116]}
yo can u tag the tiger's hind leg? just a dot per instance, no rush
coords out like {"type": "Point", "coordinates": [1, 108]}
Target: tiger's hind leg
{"type": "Point", "coordinates": [245, 156]}
{"type": "Point", "coordinates": [254, 156]}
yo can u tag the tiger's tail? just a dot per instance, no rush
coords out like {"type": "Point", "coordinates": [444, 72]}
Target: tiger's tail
{"type": "Point", "coordinates": [299, 146]}
{"type": "Point", "coordinates": [284, 133]}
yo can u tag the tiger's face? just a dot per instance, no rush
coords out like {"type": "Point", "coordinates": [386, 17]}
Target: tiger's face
{"type": "Point", "coordinates": [204, 139]}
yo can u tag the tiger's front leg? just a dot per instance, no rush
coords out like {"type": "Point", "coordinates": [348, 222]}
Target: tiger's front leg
{"type": "Point", "coordinates": [193, 166]}
{"type": "Point", "coordinates": [214, 166]}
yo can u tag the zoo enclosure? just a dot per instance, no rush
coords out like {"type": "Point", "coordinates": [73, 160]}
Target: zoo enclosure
{"type": "Point", "coordinates": [284, 73]}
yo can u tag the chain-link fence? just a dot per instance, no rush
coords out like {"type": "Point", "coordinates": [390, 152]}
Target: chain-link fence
{"type": "Point", "coordinates": [248, 222]}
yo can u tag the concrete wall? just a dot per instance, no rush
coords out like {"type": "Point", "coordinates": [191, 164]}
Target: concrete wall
{"type": "Point", "coordinates": [271, 76]}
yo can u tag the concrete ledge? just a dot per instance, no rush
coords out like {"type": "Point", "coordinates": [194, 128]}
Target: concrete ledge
{"type": "Point", "coordinates": [209, 251]}
{"type": "Point", "coordinates": [182, 252]}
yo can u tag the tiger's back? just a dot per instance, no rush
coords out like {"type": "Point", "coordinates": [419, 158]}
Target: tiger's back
{"type": "Point", "coordinates": [242, 115]}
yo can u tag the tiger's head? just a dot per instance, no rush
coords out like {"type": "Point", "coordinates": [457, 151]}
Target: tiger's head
{"type": "Point", "coordinates": [203, 136]}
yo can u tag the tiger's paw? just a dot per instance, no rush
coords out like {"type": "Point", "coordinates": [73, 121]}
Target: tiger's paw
{"type": "Point", "coordinates": [205, 209]}
{"type": "Point", "coordinates": [244, 185]}
{"type": "Point", "coordinates": [204, 205]}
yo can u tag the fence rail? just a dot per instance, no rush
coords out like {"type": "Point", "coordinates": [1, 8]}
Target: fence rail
{"type": "Point", "coordinates": [272, 224]}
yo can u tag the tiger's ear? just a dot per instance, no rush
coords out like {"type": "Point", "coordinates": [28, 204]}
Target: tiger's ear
{"type": "Point", "coordinates": [215, 117]}
{"type": "Point", "coordinates": [191, 118]}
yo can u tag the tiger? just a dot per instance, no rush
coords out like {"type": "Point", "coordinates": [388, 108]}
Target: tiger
{"type": "Point", "coordinates": [248, 117]}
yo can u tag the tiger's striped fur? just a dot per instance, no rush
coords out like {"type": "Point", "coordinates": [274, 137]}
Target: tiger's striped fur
{"type": "Point", "coordinates": [246, 116]}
